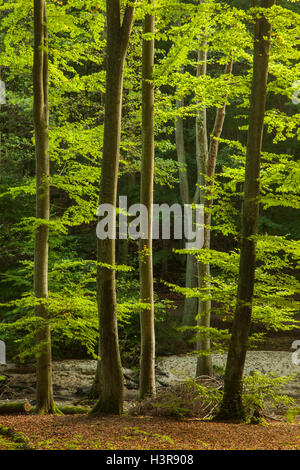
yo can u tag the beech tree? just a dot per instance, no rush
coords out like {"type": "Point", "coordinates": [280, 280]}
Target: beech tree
{"type": "Point", "coordinates": [232, 406]}
{"type": "Point", "coordinates": [208, 158]}
{"type": "Point", "coordinates": [118, 34]}
{"type": "Point", "coordinates": [147, 362]}
{"type": "Point", "coordinates": [45, 402]}
{"type": "Point", "coordinates": [198, 272]}
{"type": "Point", "coordinates": [191, 277]}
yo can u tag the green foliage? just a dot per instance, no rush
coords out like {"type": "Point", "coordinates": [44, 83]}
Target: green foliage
{"type": "Point", "coordinates": [261, 390]}
{"type": "Point", "coordinates": [202, 398]}
{"type": "Point", "coordinates": [77, 96]}
{"type": "Point", "coordinates": [274, 304]}
{"type": "Point", "coordinates": [209, 395]}
{"type": "Point", "coordinates": [19, 440]}
{"type": "Point", "coordinates": [292, 414]}
{"type": "Point", "coordinates": [73, 313]}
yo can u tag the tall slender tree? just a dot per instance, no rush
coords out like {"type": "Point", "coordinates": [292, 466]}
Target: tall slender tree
{"type": "Point", "coordinates": [2, 100]}
{"type": "Point", "coordinates": [147, 362]}
{"type": "Point", "coordinates": [204, 363]}
{"type": "Point", "coordinates": [118, 35]}
{"type": "Point", "coordinates": [197, 273]}
{"type": "Point", "coordinates": [232, 405]}
{"type": "Point", "coordinates": [191, 278]}
{"type": "Point", "coordinates": [45, 403]}
{"type": "Point", "coordinates": [208, 158]}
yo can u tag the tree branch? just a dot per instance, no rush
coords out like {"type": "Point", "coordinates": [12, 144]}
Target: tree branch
{"type": "Point", "coordinates": [127, 25]}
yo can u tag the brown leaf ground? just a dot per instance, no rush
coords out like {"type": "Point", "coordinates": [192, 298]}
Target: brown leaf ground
{"type": "Point", "coordinates": [148, 433]}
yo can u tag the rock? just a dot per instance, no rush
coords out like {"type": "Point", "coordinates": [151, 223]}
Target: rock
{"type": "Point", "coordinates": [62, 398]}
{"type": "Point", "coordinates": [132, 385]}
{"type": "Point", "coordinates": [82, 391]}
{"type": "Point", "coordinates": [19, 386]}
{"type": "Point", "coordinates": [56, 387]}
{"type": "Point", "coordinates": [87, 369]}
{"type": "Point", "coordinates": [159, 371]}
{"type": "Point", "coordinates": [129, 377]}
{"type": "Point", "coordinates": [163, 384]}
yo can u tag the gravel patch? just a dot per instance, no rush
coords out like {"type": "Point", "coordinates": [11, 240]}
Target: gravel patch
{"type": "Point", "coordinates": [181, 368]}
{"type": "Point", "coordinates": [69, 376]}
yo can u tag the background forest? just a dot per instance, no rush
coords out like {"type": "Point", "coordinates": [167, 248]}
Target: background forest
{"type": "Point", "coordinates": [202, 82]}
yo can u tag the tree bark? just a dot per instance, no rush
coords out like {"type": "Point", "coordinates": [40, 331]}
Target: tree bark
{"type": "Point", "coordinates": [147, 360]}
{"type": "Point", "coordinates": [0, 145]}
{"type": "Point", "coordinates": [183, 175]}
{"type": "Point", "coordinates": [232, 405]}
{"type": "Point", "coordinates": [45, 402]}
{"type": "Point", "coordinates": [118, 34]}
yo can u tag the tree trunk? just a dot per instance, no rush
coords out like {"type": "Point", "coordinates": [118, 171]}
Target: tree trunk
{"type": "Point", "coordinates": [183, 175]}
{"type": "Point", "coordinates": [208, 160]}
{"type": "Point", "coordinates": [118, 33]}
{"type": "Point", "coordinates": [15, 407]}
{"type": "Point", "coordinates": [191, 281]}
{"type": "Point", "coordinates": [45, 403]}
{"type": "Point", "coordinates": [147, 361]}
{"type": "Point", "coordinates": [232, 405]}
{"type": "Point", "coordinates": [204, 362]}
{"type": "Point", "coordinates": [0, 146]}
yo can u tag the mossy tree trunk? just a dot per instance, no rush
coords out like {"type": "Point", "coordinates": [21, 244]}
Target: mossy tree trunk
{"type": "Point", "coordinates": [15, 407]}
{"type": "Point", "coordinates": [147, 360]}
{"type": "Point", "coordinates": [232, 405]}
{"type": "Point", "coordinates": [45, 403]}
{"type": "Point", "coordinates": [118, 34]}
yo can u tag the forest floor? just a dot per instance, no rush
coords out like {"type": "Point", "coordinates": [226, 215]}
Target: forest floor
{"type": "Point", "coordinates": [83, 432]}
{"type": "Point", "coordinates": [78, 432]}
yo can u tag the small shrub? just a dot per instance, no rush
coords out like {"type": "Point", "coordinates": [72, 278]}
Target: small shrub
{"type": "Point", "coordinates": [292, 413]}
{"type": "Point", "coordinates": [197, 398]}
{"type": "Point", "coordinates": [262, 391]}
{"type": "Point", "coordinates": [202, 398]}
